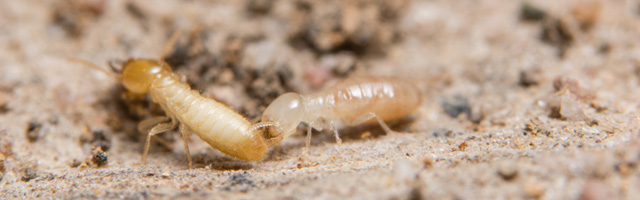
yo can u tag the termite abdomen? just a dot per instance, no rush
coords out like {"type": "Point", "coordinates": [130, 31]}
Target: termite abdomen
{"type": "Point", "coordinates": [389, 98]}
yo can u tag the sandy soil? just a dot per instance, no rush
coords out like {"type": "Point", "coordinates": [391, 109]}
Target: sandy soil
{"type": "Point", "coordinates": [533, 100]}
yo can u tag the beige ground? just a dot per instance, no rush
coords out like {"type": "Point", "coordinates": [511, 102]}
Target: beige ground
{"type": "Point", "coordinates": [514, 108]}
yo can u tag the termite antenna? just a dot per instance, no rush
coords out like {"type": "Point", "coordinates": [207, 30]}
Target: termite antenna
{"type": "Point", "coordinates": [114, 67]}
{"type": "Point", "coordinates": [93, 66]}
{"type": "Point", "coordinates": [169, 46]}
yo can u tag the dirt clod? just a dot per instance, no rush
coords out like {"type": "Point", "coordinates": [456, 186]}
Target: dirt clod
{"type": "Point", "coordinates": [442, 132]}
{"type": "Point", "coordinates": [4, 107]}
{"type": "Point", "coordinates": [2, 161]}
{"type": "Point", "coordinates": [74, 16]}
{"type": "Point", "coordinates": [33, 131]}
{"type": "Point", "coordinates": [99, 157]}
{"type": "Point", "coordinates": [557, 33]}
{"type": "Point", "coordinates": [260, 6]}
{"type": "Point", "coordinates": [96, 138]}
{"type": "Point", "coordinates": [535, 126]}
{"type": "Point", "coordinates": [135, 11]}
{"type": "Point", "coordinates": [528, 12]}
{"type": "Point", "coordinates": [575, 88]}
{"type": "Point", "coordinates": [359, 27]}
{"type": "Point", "coordinates": [428, 162]}
{"type": "Point", "coordinates": [75, 163]}
{"type": "Point", "coordinates": [529, 78]}
{"type": "Point", "coordinates": [456, 105]}
{"type": "Point", "coordinates": [28, 174]}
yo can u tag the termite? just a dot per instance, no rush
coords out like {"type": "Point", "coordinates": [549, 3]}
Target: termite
{"type": "Point", "coordinates": [352, 101]}
{"type": "Point", "coordinates": [218, 125]}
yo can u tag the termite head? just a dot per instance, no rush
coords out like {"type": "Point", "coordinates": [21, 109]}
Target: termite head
{"type": "Point", "coordinates": [286, 112]}
{"type": "Point", "coordinates": [138, 74]}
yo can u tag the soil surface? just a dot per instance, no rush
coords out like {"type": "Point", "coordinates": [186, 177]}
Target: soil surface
{"type": "Point", "coordinates": [522, 100]}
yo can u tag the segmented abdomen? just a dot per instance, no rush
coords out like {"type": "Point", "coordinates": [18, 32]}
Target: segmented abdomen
{"type": "Point", "coordinates": [215, 123]}
{"type": "Point", "coordinates": [389, 98]}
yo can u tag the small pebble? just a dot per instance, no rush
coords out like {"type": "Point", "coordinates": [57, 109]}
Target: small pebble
{"type": "Point", "coordinates": [508, 171]}
{"type": "Point", "coordinates": [428, 162]}
{"type": "Point", "coordinates": [165, 174]}
{"type": "Point", "coordinates": [535, 191]}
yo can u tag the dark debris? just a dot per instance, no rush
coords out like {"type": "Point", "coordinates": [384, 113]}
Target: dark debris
{"type": "Point", "coordinates": [99, 157]}
{"type": "Point", "coordinates": [73, 16]}
{"type": "Point", "coordinates": [97, 138]}
{"type": "Point", "coordinates": [135, 11]}
{"type": "Point", "coordinates": [239, 182]}
{"type": "Point", "coordinates": [4, 107]}
{"type": "Point", "coordinates": [28, 174]}
{"type": "Point", "coordinates": [33, 131]}
{"type": "Point", "coordinates": [529, 77]}
{"type": "Point", "coordinates": [556, 32]}
{"type": "Point", "coordinates": [443, 132]}
{"type": "Point", "coordinates": [456, 105]}
{"type": "Point", "coordinates": [364, 28]}
{"type": "Point", "coordinates": [259, 7]}
{"type": "Point", "coordinates": [531, 13]}
{"type": "Point", "coordinates": [2, 161]}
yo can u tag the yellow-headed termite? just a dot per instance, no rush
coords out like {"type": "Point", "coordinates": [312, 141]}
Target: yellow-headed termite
{"type": "Point", "coordinates": [353, 101]}
{"type": "Point", "coordinates": [218, 125]}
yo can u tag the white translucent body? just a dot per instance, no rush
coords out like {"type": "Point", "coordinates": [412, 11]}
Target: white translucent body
{"type": "Point", "coordinates": [347, 101]}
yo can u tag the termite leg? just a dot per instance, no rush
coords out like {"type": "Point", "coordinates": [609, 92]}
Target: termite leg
{"type": "Point", "coordinates": [162, 127]}
{"type": "Point", "coordinates": [369, 116]}
{"type": "Point", "coordinates": [307, 143]}
{"type": "Point", "coordinates": [338, 140]}
{"type": "Point", "coordinates": [335, 131]}
{"type": "Point", "coordinates": [186, 133]}
{"type": "Point", "coordinates": [145, 125]}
